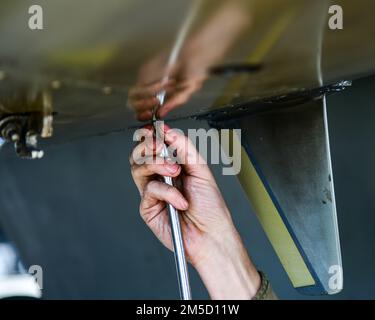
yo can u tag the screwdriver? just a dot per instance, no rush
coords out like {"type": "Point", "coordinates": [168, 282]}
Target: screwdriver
{"type": "Point", "coordinates": [174, 218]}
{"type": "Point", "coordinates": [177, 240]}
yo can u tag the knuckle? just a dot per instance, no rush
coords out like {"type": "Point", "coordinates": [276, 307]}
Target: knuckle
{"type": "Point", "coordinates": [172, 191]}
{"type": "Point", "coordinates": [151, 186]}
{"type": "Point", "coordinates": [142, 212]}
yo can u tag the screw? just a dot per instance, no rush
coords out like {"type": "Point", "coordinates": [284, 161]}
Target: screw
{"type": "Point", "coordinates": [107, 90]}
{"type": "Point", "coordinates": [56, 84]}
{"type": "Point", "coordinates": [15, 137]}
{"type": "Point", "coordinates": [37, 154]}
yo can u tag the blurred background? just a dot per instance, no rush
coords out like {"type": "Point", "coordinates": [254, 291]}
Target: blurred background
{"type": "Point", "coordinates": [106, 251]}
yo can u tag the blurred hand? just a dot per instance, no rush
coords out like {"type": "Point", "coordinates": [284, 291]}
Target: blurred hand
{"type": "Point", "coordinates": [212, 243]}
{"type": "Point", "coordinates": [202, 50]}
{"type": "Point", "coordinates": [181, 85]}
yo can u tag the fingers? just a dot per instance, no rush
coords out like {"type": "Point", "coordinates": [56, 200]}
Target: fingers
{"type": "Point", "coordinates": [143, 104]}
{"type": "Point", "coordinates": [146, 151]}
{"type": "Point", "coordinates": [144, 115]}
{"type": "Point", "coordinates": [143, 174]}
{"type": "Point", "coordinates": [164, 169]}
{"type": "Point", "coordinates": [145, 162]}
{"type": "Point", "coordinates": [187, 154]}
{"type": "Point", "coordinates": [180, 96]}
{"type": "Point", "coordinates": [150, 90]}
{"type": "Point", "coordinates": [142, 98]}
{"type": "Point", "coordinates": [157, 191]}
{"type": "Point", "coordinates": [149, 145]}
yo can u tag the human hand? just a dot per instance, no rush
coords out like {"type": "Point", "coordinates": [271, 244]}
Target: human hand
{"type": "Point", "coordinates": [212, 243]}
{"type": "Point", "coordinates": [179, 88]}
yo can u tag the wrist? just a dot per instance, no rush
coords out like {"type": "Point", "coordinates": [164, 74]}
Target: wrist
{"type": "Point", "coordinates": [226, 269]}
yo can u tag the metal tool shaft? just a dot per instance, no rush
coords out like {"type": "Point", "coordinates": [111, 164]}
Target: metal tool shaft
{"type": "Point", "coordinates": [174, 217]}
{"type": "Point", "coordinates": [178, 245]}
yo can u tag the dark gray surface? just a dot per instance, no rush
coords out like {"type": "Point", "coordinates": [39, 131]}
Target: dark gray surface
{"type": "Point", "coordinates": [75, 213]}
{"type": "Point", "coordinates": [289, 147]}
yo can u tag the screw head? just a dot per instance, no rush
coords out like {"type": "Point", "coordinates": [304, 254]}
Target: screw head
{"type": "Point", "coordinates": [55, 84]}
{"type": "Point", "coordinates": [107, 90]}
{"type": "Point", "coordinates": [37, 154]}
{"type": "Point", "coordinates": [15, 137]}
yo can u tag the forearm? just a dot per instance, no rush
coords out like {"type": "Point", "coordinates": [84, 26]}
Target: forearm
{"type": "Point", "coordinates": [227, 270]}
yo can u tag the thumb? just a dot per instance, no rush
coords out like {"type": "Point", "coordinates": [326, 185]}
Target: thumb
{"type": "Point", "coordinates": [187, 154]}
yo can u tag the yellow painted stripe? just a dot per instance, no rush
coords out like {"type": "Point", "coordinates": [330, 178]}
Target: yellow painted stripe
{"type": "Point", "coordinates": [269, 217]}
{"type": "Point", "coordinates": [272, 36]}
{"type": "Point", "coordinates": [265, 209]}
{"type": "Point", "coordinates": [260, 52]}
{"type": "Point", "coordinates": [273, 225]}
{"type": "Point", "coordinates": [89, 57]}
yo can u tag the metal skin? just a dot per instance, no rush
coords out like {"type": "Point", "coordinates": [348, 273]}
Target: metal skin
{"type": "Point", "coordinates": [89, 64]}
{"type": "Point", "coordinates": [257, 65]}
{"type": "Point", "coordinates": [290, 184]}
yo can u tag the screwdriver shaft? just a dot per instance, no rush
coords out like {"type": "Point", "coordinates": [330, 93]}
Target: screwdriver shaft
{"type": "Point", "coordinates": [178, 245]}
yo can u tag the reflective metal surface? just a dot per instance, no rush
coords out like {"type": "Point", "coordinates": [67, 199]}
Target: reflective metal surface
{"type": "Point", "coordinates": [289, 149]}
{"type": "Point", "coordinates": [108, 57]}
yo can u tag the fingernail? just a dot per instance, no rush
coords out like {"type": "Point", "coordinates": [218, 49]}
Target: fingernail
{"type": "Point", "coordinates": [172, 168]}
{"type": "Point", "coordinates": [185, 204]}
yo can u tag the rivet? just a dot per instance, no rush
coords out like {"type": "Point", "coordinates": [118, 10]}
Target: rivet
{"type": "Point", "coordinates": [107, 90]}
{"type": "Point", "coordinates": [56, 84]}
